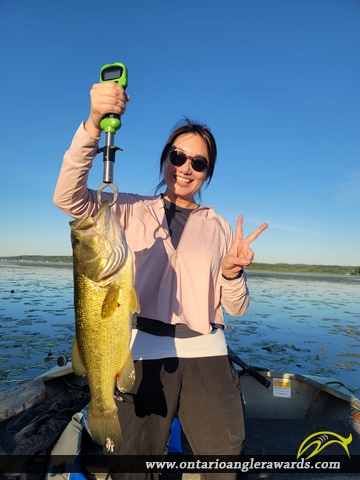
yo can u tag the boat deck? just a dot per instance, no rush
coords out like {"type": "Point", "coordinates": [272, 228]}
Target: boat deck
{"type": "Point", "coordinates": [275, 426]}
{"type": "Point", "coordinates": [288, 435]}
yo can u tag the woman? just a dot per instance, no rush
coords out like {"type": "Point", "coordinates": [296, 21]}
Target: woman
{"type": "Point", "coordinates": [187, 265]}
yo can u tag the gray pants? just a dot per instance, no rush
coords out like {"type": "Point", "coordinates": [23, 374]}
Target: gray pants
{"type": "Point", "coordinates": [204, 392]}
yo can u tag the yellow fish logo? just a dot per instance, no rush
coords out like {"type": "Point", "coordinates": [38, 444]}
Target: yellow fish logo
{"type": "Point", "coordinates": [322, 440]}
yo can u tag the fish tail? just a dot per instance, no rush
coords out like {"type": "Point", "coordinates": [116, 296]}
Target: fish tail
{"type": "Point", "coordinates": [105, 429]}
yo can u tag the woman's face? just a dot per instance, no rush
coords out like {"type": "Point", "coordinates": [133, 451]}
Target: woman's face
{"type": "Point", "coordinates": [184, 182]}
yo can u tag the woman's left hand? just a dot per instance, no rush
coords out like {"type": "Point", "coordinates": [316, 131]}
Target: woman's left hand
{"type": "Point", "coordinates": [240, 254]}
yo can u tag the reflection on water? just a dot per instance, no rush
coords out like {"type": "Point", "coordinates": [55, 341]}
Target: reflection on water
{"type": "Point", "coordinates": [36, 320]}
{"type": "Point", "coordinates": [305, 324]}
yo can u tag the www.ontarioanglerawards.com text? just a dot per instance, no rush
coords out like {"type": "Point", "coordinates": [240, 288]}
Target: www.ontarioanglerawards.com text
{"type": "Point", "coordinates": [243, 466]}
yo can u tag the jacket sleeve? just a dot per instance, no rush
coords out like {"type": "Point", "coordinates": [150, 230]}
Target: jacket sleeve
{"type": "Point", "coordinates": [234, 293]}
{"type": "Point", "coordinates": [235, 296]}
{"type": "Point", "coordinates": [71, 193]}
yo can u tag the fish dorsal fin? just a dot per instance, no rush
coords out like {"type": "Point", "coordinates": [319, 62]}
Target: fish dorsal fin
{"type": "Point", "coordinates": [76, 359]}
{"type": "Point", "coordinates": [134, 303]}
{"type": "Point", "coordinates": [126, 377]}
{"type": "Point", "coordinates": [111, 301]}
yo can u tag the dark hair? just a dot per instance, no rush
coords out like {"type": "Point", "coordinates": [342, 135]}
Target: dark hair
{"type": "Point", "coordinates": [182, 128]}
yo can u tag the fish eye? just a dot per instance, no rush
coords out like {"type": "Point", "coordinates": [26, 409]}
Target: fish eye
{"type": "Point", "coordinates": [75, 243]}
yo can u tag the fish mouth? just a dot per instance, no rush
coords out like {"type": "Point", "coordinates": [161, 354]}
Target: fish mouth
{"type": "Point", "coordinates": [111, 252]}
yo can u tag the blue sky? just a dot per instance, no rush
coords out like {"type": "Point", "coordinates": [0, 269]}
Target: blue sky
{"type": "Point", "coordinates": [277, 81]}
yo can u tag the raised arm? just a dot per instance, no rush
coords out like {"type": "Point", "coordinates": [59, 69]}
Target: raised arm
{"type": "Point", "coordinates": [235, 295]}
{"type": "Point", "coordinates": [240, 254]}
{"type": "Point", "coordinates": [71, 192]}
{"type": "Point", "coordinates": [105, 98]}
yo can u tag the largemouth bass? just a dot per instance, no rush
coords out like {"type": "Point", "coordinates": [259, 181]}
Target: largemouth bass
{"type": "Point", "coordinates": [104, 299]}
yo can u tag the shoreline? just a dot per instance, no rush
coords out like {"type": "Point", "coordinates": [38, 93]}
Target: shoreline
{"type": "Point", "coordinates": [303, 275]}
{"type": "Point", "coordinates": [249, 272]}
{"type": "Point", "coordinates": [30, 263]}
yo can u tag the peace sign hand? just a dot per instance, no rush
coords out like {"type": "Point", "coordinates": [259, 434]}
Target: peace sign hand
{"type": "Point", "coordinates": [240, 254]}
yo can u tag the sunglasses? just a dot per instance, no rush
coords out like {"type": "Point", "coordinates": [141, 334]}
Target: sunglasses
{"type": "Point", "coordinates": [178, 158]}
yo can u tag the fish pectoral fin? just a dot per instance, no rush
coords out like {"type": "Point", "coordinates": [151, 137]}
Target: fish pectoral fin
{"type": "Point", "coordinates": [111, 301]}
{"type": "Point", "coordinates": [77, 361]}
{"type": "Point", "coordinates": [126, 377]}
{"type": "Point", "coordinates": [134, 303]}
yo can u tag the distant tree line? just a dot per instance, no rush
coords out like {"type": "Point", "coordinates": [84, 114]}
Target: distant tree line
{"type": "Point", "coordinates": [302, 268]}
{"type": "Point", "coordinates": [268, 267]}
{"type": "Point", "coordinates": [38, 258]}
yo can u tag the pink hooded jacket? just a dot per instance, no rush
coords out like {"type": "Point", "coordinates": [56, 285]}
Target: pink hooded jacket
{"type": "Point", "coordinates": [174, 286]}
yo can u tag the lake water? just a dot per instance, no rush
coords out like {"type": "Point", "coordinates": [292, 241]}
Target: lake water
{"type": "Point", "coordinates": [308, 324]}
